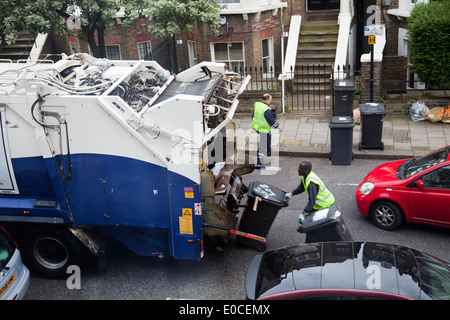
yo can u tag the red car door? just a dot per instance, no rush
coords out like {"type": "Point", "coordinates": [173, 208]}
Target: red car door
{"type": "Point", "coordinates": [429, 197]}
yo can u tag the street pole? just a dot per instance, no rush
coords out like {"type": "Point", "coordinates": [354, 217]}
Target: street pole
{"type": "Point", "coordinates": [282, 75]}
{"type": "Point", "coordinates": [282, 61]}
{"type": "Point", "coordinates": [371, 73]}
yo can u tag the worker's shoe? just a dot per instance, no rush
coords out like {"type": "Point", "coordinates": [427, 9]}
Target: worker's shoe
{"type": "Point", "coordinates": [263, 160]}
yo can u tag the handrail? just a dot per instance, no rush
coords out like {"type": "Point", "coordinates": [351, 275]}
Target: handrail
{"type": "Point", "coordinates": [344, 20]}
{"type": "Point", "coordinates": [291, 49]}
{"type": "Point", "coordinates": [38, 45]}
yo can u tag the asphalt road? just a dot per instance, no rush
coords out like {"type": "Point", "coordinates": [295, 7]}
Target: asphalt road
{"type": "Point", "coordinates": [221, 275]}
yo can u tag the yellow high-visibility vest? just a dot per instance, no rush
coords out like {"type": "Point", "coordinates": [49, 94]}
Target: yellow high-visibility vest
{"type": "Point", "coordinates": [325, 198]}
{"type": "Point", "coordinates": [259, 122]}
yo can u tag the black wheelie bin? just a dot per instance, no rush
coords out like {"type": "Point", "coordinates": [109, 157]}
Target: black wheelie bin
{"type": "Point", "coordinates": [343, 97]}
{"type": "Point", "coordinates": [263, 203]}
{"type": "Point", "coordinates": [372, 115]}
{"type": "Point", "coordinates": [325, 225]}
{"type": "Point", "coordinates": [341, 140]}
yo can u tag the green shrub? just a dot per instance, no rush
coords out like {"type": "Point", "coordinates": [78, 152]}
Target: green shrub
{"type": "Point", "coordinates": [429, 40]}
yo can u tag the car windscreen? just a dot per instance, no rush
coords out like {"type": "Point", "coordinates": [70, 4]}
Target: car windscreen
{"type": "Point", "coordinates": [6, 249]}
{"type": "Point", "coordinates": [427, 161]}
{"type": "Point", "coordinates": [434, 277]}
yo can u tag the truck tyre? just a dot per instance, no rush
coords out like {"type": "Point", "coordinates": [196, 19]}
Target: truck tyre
{"type": "Point", "coordinates": [48, 251]}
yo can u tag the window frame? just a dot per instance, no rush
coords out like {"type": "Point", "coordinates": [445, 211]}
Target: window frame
{"type": "Point", "coordinates": [270, 57]}
{"type": "Point", "coordinates": [110, 46]}
{"type": "Point", "coordinates": [148, 47]}
{"type": "Point", "coordinates": [228, 61]}
{"type": "Point", "coordinates": [192, 52]}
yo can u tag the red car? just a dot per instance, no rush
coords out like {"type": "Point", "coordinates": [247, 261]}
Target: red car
{"type": "Point", "coordinates": [411, 190]}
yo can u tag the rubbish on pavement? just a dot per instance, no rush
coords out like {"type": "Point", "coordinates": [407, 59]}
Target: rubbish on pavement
{"type": "Point", "coordinates": [418, 111]}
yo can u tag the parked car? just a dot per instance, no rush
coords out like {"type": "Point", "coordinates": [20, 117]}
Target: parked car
{"type": "Point", "coordinates": [347, 270]}
{"type": "Point", "coordinates": [14, 275]}
{"type": "Point", "coordinates": [411, 190]}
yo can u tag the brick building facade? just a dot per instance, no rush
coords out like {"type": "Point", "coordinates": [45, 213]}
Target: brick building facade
{"type": "Point", "coordinates": [121, 43]}
{"type": "Point", "coordinates": [250, 37]}
{"type": "Point", "coordinates": [247, 38]}
{"type": "Point", "coordinates": [247, 33]}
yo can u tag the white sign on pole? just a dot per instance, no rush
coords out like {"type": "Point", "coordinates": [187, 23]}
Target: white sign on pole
{"type": "Point", "coordinates": [375, 30]}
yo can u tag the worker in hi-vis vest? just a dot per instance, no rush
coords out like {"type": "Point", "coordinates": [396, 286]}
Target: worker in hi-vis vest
{"type": "Point", "coordinates": [319, 197]}
{"type": "Point", "coordinates": [262, 121]}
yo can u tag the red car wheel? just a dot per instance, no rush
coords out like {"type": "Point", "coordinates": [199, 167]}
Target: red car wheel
{"type": "Point", "coordinates": [386, 215]}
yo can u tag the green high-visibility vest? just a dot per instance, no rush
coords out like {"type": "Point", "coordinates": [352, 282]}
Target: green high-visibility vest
{"type": "Point", "coordinates": [259, 122]}
{"type": "Point", "coordinates": [325, 198]}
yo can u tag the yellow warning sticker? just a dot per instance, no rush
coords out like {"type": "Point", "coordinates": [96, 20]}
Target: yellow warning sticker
{"type": "Point", "coordinates": [189, 192]}
{"type": "Point", "coordinates": [186, 221]}
{"type": "Point", "coordinates": [187, 212]}
{"type": "Point", "coordinates": [186, 225]}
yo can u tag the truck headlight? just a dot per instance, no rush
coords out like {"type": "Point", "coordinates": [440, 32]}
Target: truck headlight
{"type": "Point", "coordinates": [366, 188]}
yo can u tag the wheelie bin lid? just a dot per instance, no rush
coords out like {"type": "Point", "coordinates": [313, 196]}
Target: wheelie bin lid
{"type": "Point", "coordinates": [268, 193]}
{"type": "Point", "coordinates": [372, 108]}
{"type": "Point", "coordinates": [344, 85]}
{"type": "Point", "coordinates": [320, 219]}
{"type": "Point", "coordinates": [341, 122]}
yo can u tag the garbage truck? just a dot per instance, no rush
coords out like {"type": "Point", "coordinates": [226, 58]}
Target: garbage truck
{"type": "Point", "coordinates": [96, 149]}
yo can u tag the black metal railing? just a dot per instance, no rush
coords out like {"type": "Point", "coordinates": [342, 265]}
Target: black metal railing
{"type": "Point", "coordinates": [262, 79]}
{"type": "Point", "coordinates": [344, 72]}
{"type": "Point", "coordinates": [307, 87]}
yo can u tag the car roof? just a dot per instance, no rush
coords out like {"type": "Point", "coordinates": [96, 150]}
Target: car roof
{"type": "Point", "coordinates": [341, 265]}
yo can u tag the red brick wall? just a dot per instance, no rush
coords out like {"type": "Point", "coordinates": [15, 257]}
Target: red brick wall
{"type": "Point", "coordinates": [365, 82]}
{"type": "Point", "coordinates": [251, 31]}
{"type": "Point", "coordinates": [394, 72]}
{"type": "Point", "coordinates": [127, 38]}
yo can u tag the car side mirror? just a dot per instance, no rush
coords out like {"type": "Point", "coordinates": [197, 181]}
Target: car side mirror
{"type": "Point", "coordinates": [419, 184]}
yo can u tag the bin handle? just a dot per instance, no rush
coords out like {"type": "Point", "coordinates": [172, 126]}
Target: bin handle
{"type": "Point", "coordinates": [238, 233]}
{"type": "Point", "coordinates": [255, 204]}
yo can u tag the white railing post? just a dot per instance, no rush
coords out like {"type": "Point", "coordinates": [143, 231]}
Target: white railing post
{"type": "Point", "coordinates": [38, 45]}
{"type": "Point", "coordinates": [344, 20]}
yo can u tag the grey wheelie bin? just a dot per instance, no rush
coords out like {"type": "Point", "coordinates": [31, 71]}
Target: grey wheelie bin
{"type": "Point", "coordinates": [325, 225]}
{"type": "Point", "coordinates": [264, 202]}
{"type": "Point", "coordinates": [343, 97]}
{"type": "Point", "coordinates": [372, 115]}
{"type": "Point", "coordinates": [341, 140]}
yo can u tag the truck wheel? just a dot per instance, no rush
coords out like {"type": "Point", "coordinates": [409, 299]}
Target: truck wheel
{"type": "Point", "coordinates": [49, 251]}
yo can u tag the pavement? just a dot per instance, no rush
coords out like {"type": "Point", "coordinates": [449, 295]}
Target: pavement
{"type": "Point", "coordinates": [307, 134]}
